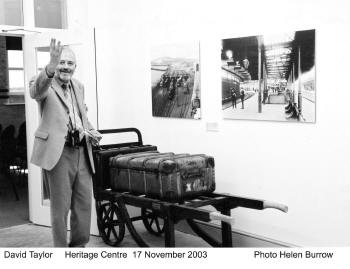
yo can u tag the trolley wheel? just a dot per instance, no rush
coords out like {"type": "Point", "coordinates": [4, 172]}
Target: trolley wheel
{"type": "Point", "coordinates": [110, 224]}
{"type": "Point", "coordinates": [152, 221]}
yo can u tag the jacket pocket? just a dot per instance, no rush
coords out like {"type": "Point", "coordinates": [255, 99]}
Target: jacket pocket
{"type": "Point", "coordinates": [41, 134]}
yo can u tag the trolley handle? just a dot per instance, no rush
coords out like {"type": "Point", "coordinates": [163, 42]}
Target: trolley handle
{"type": "Point", "coordinates": [270, 204]}
{"type": "Point", "coordinates": [239, 201]}
{"type": "Point", "coordinates": [218, 216]}
{"type": "Point", "coordinates": [124, 130]}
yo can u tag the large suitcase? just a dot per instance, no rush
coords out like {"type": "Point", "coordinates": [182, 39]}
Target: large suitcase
{"type": "Point", "coordinates": [166, 176]}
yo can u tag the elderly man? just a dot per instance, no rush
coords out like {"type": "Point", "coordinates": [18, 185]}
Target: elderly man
{"type": "Point", "coordinates": [62, 146]}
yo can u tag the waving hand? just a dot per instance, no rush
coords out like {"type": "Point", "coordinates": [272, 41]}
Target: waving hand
{"type": "Point", "coordinates": [55, 55]}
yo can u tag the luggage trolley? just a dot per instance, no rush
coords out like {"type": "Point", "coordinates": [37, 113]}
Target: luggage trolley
{"type": "Point", "coordinates": [158, 216]}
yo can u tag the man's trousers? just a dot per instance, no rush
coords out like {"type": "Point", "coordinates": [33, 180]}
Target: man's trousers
{"type": "Point", "coordinates": [70, 185]}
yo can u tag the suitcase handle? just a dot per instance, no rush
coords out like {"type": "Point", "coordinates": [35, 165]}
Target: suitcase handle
{"type": "Point", "coordinates": [125, 130]}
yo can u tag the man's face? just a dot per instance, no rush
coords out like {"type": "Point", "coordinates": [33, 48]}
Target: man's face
{"type": "Point", "coordinates": [66, 67]}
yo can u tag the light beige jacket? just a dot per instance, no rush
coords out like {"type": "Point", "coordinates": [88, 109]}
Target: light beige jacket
{"type": "Point", "coordinates": [51, 134]}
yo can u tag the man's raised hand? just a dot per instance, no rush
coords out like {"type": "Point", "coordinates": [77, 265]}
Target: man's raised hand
{"type": "Point", "coordinates": [55, 55]}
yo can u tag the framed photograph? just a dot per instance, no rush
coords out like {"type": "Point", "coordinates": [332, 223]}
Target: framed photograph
{"type": "Point", "coordinates": [269, 77]}
{"type": "Point", "coordinates": [175, 72]}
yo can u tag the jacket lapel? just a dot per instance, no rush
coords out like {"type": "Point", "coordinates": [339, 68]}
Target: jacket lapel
{"type": "Point", "coordinates": [59, 92]}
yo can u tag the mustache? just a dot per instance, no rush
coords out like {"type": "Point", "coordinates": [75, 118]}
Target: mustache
{"type": "Point", "coordinates": [65, 70]}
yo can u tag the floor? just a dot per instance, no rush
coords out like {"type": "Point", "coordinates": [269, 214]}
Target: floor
{"type": "Point", "coordinates": [30, 235]}
{"type": "Point", "coordinates": [17, 231]}
{"type": "Point", "coordinates": [9, 204]}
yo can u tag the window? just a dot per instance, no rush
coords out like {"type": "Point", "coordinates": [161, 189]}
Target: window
{"type": "Point", "coordinates": [11, 12]}
{"type": "Point", "coordinates": [47, 13]}
{"type": "Point", "coordinates": [50, 14]}
{"type": "Point", "coordinates": [42, 57]}
{"type": "Point", "coordinates": [16, 73]}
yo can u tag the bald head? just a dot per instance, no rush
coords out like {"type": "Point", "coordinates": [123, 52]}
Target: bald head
{"type": "Point", "coordinates": [67, 52]}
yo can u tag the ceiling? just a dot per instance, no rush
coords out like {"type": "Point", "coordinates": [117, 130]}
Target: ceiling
{"type": "Point", "coordinates": [277, 51]}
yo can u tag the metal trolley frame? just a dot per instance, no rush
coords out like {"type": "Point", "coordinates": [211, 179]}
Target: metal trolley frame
{"type": "Point", "coordinates": [158, 216]}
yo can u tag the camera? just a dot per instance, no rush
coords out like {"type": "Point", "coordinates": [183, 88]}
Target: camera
{"type": "Point", "coordinates": [73, 138]}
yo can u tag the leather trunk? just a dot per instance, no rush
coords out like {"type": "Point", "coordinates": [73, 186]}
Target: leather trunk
{"type": "Point", "coordinates": [165, 176]}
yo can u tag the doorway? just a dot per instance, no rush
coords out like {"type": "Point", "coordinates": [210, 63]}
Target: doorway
{"type": "Point", "coordinates": [33, 47]}
{"type": "Point", "coordinates": [14, 204]}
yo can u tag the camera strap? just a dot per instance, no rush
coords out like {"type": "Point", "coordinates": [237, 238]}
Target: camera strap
{"type": "Point", "coordinates": [71, 96]}
{"type": "Point", "coordinates": [76, 113]}
{"type": "Point", "coordinates": [70, 125]}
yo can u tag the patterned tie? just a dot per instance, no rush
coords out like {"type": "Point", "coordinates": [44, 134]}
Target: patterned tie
{"type": "Point", "coordinates": [65, 90]}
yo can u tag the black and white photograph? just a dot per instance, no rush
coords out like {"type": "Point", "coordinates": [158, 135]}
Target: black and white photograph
{"type": "Point", "coordinates": [269, 77]}
{"type": "Point", "coordinates": [186, 134]}
{"type": "Point", "coordinates": [175, 74]}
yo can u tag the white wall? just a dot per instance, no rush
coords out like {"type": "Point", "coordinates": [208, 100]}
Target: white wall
{"type": "Point", "coordinates": [301, 165]}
